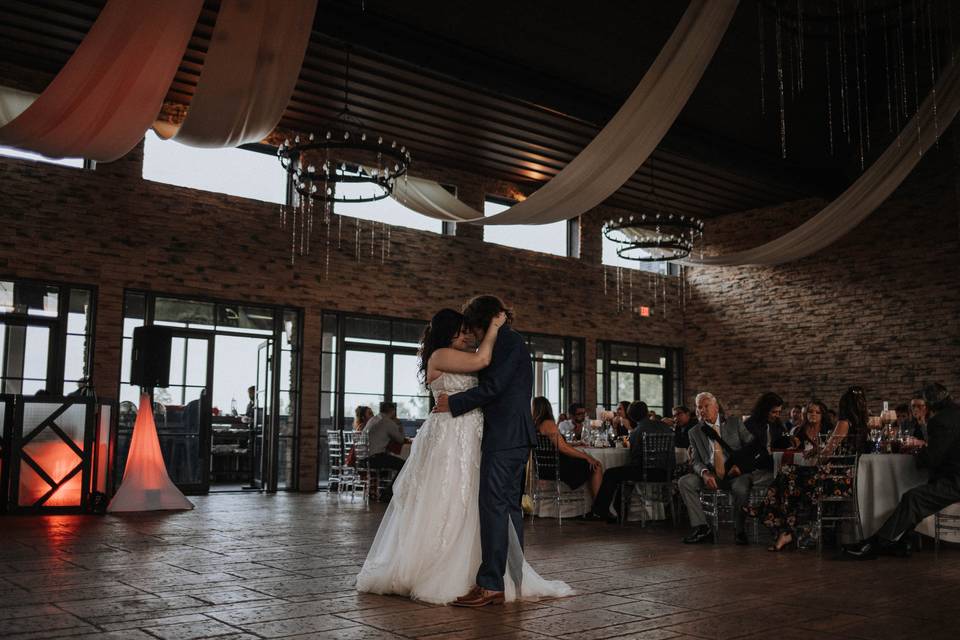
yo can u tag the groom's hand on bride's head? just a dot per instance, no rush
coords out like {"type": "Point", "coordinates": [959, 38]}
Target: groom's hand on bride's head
{"type": "Point", "coordinates": [443, 404]}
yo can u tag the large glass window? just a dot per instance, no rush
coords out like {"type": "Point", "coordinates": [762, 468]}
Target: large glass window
{"type": "Point", "coordinates": [545, 238]}
{"type": "Point", "coordinates": [557, 369]}
{"type": "Point", "coordinates": [13, 152]}
{"type": "Point", "coordinates": [610, 258]}
{"type": "Point", "coordinates": [46, 335]}
{"type": "Point", "coordinates": [634, 372]}
{"type": "Point", "coordinates": [236, 172]}
{"type": "Point", "coordinates": [241, 363]}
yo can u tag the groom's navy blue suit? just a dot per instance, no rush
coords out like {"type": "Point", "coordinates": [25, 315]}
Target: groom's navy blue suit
{"type": "Point", "coordinates": [504, 392]}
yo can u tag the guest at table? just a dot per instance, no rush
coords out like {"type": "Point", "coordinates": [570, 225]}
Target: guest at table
{"type": "Point", "coordinates": [767, 430]}
{"type": "Point", "coordinates": [574, 424]}
{"type": "Point", "coordinates": [361, 416]}
{"type": "Point", "coordinates": [638, 417]}
{"type": "Point", "coordinates": [795, 419]}
{"type": "Point", "coordinates": [919, 415]}
{"type": "Point", "coordinates": [714, 469]}
{"type": "Point", "coordinates": [620, 422]}
{"type": "Point", "coordinates": [576, 466]}
{"type": "Point", "coordinates": [941, 455]}
{"type": "Point", "coordinates": [796, 489]}
{"type": "Point", "coordinates": [252, 403]}
{"type": "Point", "coordinates": [682, 423]}
{"type": "Point", "coordinates": [381, 430]}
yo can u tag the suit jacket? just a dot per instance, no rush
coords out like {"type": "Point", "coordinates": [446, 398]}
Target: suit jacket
{"type": "Point", "coordinates": [733, 432]}
{"type": "Point", "coordinates": [504, 392]}
{"type": "Point", "coordinates": [942, 453]}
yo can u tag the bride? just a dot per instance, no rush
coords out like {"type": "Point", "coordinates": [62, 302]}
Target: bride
{"type": "Point", "coordinates": [428, 544]}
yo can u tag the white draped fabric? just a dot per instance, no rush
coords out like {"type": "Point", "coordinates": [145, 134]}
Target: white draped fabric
{"type": "Point", "coordinates": [112, 87]}
{"type": "Point", "coordinates": [13, 102]}
{"type": "Point", "coordinates": [866, 194]}
{"type": "Point", "coordinates": [248, 75]}
{"type": "Point", "coordinates": [623, 145]}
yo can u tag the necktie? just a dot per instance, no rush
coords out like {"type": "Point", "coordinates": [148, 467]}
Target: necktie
{"type": "Point", "coordinates": [718, 460]}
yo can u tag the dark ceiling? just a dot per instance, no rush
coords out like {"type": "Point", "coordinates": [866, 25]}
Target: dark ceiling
{"type": "Point", "coordinates": [514, 90]}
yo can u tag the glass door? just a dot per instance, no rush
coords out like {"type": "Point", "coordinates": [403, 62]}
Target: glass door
{"type": "Point", "coordinates": [262, 420]}
{"type": "Point", "coordinates": [183, 410]}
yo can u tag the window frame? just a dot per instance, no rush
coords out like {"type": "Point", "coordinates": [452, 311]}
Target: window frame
{"type": "Point", "coordinates": [571, 231]}
{"type": "Point", "coordinates": [672, 372]}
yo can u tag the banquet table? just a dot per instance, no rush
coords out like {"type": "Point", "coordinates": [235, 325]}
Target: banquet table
{"type": "Point", "coordinates": [881, 479]}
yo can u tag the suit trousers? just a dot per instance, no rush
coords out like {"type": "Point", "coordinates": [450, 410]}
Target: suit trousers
{"type": "Point", "coordinates": [918, 503]}
{"type": "Point", "coordinates": [501, 493]}
{"type": "Point", "coordinates": [739, 488]}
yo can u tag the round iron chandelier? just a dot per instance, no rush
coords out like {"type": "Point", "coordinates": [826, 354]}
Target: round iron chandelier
{"type": "Point", "coordinates": [654, 237]}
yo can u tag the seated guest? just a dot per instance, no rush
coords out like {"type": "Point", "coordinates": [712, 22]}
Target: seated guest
{"type": "Point", "coordinates": [795, 419]}
{"type": "Point", "coordinates": [382, 430]}
{"type": "Point", "coordinates": [767, 430]}
{"type": "Point", "coordinates": [682, 423]}
{"type": "Point", "coordinates": [361, 417]}
{"type": "Point", "coordinates": [572, 428]}
{"type": "Point", "coordinates": [795, 490]}
{"type": "Point", "coordinates": [816, 422]}
{"type": "Point", "coordinates": [714, 441]}
{"type": "Point", "coordinates": [903, 415]}
{"type": "Point", "coordinates": [576, 466]}
{"type": "Point", "coordinates": [919, 414]}
{"type": "Point", "coordinates": [941, 455]}
{"type": "Point", "coordinates": [620, 422]}
{"type": "Point", "coordinates": [638, 416]}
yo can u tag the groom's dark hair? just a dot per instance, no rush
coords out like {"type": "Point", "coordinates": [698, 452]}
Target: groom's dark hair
{"type": "Point", "coordinates": [479, 311]}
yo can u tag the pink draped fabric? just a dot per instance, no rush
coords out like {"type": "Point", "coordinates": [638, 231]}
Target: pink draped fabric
{"type": "Point", "coordinates": [112, 88]}
{"type": "Point", "coordinates": [249, 72]}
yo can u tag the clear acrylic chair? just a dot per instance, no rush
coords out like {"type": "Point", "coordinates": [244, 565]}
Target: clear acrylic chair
{"type": "Point", "coordinates": [944, 522]}
{"type": "Point", "coordinates": [336, 459]}
{"type": "Point", "coordinates": [836, 480]}
{"type": "Point", "coordinates": [547, 484]}
{"type": "Point", "coordinates": [659, 459]}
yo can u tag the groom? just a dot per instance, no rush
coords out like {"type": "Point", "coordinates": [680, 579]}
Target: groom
{"type": "Point", "coordinates": [504, 392]}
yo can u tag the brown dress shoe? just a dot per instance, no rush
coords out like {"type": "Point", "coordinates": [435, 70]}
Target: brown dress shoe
{"type": "Point", "coordinates": [473, 594]}
{"type": "Point", "coordinates": [484, 597]}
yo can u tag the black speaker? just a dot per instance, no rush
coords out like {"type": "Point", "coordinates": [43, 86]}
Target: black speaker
{"type": "Point", "coordinates": [150, 358]}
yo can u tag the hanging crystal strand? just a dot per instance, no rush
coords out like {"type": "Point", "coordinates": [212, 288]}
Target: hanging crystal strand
{"type": "Point", "coordinates": [903, 62]}
{"type": "Point", "coordinates": [864, 43]}
{"type": "Point", "coordinates": [389, 241]}
{"type": "Point", "coordinates": [383, 244]}
{"type": "Point", "coordinates": [792, 81]}
{"type": "Point", "coordinates": [829, 102]}
{"type": "Point", "coordinates": [931, 46]}
{"type": "Point", "coordinates": [339, 232]}
{"type": "Point", "coordinates": [293, 235]}
{"type": "Point", "coordinates": [916, 77]}
{"type": "Point", "coordinates": [326, 258]}
{"type": "Point", "coordinates": [617, 284]}
{"type": "Point", "coordinates": [763, 61]}
{"type": "Point", "coordinates": [886, 69]}
{"type": "Point", "coordinates": [844, 76]}
{"type": "Point", "coordinates": [799, 45]}
{"type": "Point", "coordinates": [356, 243]}
{"type": "Point", "coordinates": [856, 71]}
{"type": "Point", "coordinates": [373, 236]}
{"type": "Point", "coordinates": [783, 116]}
{"type": "Point", "coordinates": [604, 281]}
{"type": "Point", "coordinates": [663, 282]}
{"type": "Point", "coordinates": [630, 285]}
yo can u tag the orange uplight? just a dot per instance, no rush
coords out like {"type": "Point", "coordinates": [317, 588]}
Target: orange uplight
{"type": "Point", "coordinates": [645, 312]}
{"type": "Point", "coordinates": [57, 460]}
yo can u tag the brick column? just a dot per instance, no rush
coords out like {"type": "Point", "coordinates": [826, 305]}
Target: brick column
{"type": "Point", "coordinates": [310, 399]}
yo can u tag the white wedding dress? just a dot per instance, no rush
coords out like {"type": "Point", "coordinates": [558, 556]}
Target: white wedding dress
{"type": "Point", "coordinates": [428, 544]}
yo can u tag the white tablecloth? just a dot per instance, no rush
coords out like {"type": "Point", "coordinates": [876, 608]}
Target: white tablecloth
{"type": "Point", "coordinates": [881, 480]}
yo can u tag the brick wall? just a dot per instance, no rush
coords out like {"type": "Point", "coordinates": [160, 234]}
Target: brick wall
{"type": "Point", "coordinates": [112, 229]}
{"type": "Point", "coordinates": [879, 308]}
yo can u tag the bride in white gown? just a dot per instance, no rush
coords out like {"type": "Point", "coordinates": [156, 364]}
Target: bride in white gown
{"type": "Point", "coordinates": [428, 544]}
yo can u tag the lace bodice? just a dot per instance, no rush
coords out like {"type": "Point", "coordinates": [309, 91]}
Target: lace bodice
{"type": "Point", "coordinates": [450, 383]}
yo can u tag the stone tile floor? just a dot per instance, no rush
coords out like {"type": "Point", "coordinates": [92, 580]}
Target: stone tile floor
{"type": "Point", "coordinates": [255, 566]}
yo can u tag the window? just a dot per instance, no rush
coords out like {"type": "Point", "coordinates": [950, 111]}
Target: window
{"type": "Point", "coordinates": [557, 369]}
{"type": "Point", "coordinates": [46, 336]}
{"type": "Point", "coordinates": [610, 258]}
{"type": "Point", "coordinates": [545, 238]}
{"type": "Point", "coordinates": [367, 360]}
{"type": "Point", "coordinates": [388, 210]}
{"type": "Point", "coordinates": [13, 152]}
{"type": "Point", "coordinates": [633, 372]}
{"type": "Point", "coordinates": [236, 172]}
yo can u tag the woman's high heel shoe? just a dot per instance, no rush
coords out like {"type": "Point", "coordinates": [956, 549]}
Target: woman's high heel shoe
{"type": "Point", "coordinates": [782, 542]}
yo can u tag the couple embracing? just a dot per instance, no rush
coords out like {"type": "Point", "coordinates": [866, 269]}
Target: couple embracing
{"type": "Point", "coordinates": [453, 532]}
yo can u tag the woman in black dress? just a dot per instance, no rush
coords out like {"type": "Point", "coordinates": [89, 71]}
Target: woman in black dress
{"type": "Point", "coordinates": [576, 466]}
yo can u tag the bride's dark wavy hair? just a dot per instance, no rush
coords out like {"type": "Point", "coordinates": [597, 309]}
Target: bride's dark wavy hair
{"type": "Point", "coordinates": [445, 325]}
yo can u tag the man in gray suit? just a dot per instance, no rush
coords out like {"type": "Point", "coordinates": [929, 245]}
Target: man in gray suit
{"type": "Point", "coordinates": [713, 469]}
